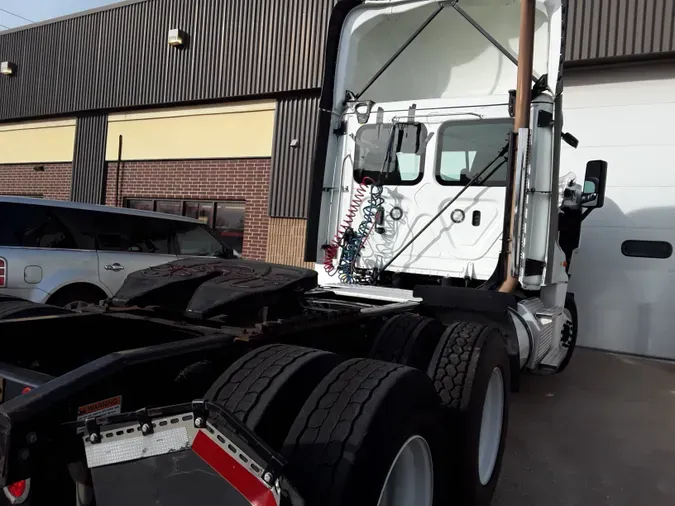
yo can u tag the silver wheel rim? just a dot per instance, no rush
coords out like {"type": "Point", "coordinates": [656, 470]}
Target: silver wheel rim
{"type": "Point", "coordinates": [491, 426]}
{"type": "Point", "coordinates": [410, 480]}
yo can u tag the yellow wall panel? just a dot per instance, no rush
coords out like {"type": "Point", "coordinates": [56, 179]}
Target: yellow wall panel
{"type": "Point", "coordinates": [232, 131]}
{"type": "Point", "coordinates": [37, 142]}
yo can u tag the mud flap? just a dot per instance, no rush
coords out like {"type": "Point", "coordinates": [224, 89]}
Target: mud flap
{"type": "Point", "coordinates": [176, 463]}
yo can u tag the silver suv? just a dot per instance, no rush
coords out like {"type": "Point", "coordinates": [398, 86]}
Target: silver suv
{"type": "Point", "coordinates": [63, 252]}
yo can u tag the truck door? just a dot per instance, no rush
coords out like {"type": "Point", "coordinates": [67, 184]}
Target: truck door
{"type": "Point", "coordinates": [431, 160]}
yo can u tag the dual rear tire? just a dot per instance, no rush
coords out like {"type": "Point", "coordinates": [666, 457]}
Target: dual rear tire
{"type": "Point", "coordinates": [375, 433]}
{"type": "Point", "coordinates": [470, 369]}
{"type": "Point", "coordinates": [360, 432]}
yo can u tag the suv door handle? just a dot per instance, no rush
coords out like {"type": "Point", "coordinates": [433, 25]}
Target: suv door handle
{"type": "Point", "coordinates": [114, 267]}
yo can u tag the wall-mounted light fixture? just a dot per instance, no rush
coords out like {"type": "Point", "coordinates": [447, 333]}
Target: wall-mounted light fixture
{"type": "Point", "coordinates": [7, 68]}
{"type": "Point", "coordinates": [177, 38]}
{"type": "Point", "coordinates": [39, 168]}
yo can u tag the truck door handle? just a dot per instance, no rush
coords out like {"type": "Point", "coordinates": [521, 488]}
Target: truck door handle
{"type": "Point", "coordinates": [114, 267]}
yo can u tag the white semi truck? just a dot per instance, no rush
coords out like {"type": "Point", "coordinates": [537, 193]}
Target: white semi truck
{"type": "Point", "coordinates": [442, 231]}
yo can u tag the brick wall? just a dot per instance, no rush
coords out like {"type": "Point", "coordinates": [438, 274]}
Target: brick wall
{"type": "Point", "coordinates": [53, 183]}
{"type": "Point", "coordinates": [244, 180]}
{"type": "Point", "coordinates": [286, 243]}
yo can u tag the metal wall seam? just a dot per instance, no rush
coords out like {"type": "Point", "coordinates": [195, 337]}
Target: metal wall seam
{"type": "Point", "coordinates": [89, 177]}
{"type": "Point", "coordinates": [119, 57]}
{"type": "Point", "coordinates": [620, 29]}
{"type": "Point", "coordinates": [296, 120]}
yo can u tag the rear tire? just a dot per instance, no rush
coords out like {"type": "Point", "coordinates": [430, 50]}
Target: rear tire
{"type": "Point", "coordinates": [408, 339]}
{"type": "Point", "coordinates": [266, 388]}
{"type": "Point", "coordinates": [471, 373]}
{"type": "Point", "coordinates": [76, 296]}
{"type": "Point", "coordinates": [370, 434]}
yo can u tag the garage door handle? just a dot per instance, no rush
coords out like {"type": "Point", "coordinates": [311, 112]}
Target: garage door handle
{"type": "Point", "coordinates": [114, 267]}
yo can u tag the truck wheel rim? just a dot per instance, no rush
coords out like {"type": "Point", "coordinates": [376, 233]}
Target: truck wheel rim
{"type": "Point", "coordinates": [491, 427]}
{"type": "Point", "coordinates": [567, 331]}
{"type": "Point", "coordinates": [410, 479]}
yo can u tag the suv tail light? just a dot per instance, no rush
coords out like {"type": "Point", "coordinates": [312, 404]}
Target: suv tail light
{"type": "Point", "coordinates": [3, 272]}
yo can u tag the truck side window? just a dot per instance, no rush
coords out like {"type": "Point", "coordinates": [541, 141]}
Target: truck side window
{"type": "Point", "coordinates": [390, 154]}
{"type": "Point", "coordinates": [33, 227]}
{"type": "Point", "coordinates": [466, 147]}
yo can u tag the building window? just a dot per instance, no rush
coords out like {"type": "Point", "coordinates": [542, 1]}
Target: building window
{"type": "Point", "coordinates": [226, 218]}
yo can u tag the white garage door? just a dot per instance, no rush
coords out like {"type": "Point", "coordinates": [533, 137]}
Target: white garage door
{"type": "Point", "coordinates": [625, 288]}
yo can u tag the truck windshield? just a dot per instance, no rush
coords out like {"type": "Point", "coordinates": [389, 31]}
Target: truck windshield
{"type": "Point", "coordinates": [466, 147]}
{"type": "Point", "coordinates": [390, 157]}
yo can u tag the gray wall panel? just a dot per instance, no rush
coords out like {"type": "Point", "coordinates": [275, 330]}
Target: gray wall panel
{"type": "Point", "coordinates": [89, 177]}
{"type": "Point", "coordinates": [619, 29]}
{"type": "Point", "coordinates": [118, 57]}
{"type": "Point", "coordinates": [296, 118]}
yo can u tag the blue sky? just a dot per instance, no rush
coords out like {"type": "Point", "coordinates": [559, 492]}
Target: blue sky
{"type": "Point", "coordinates": [39, 10]}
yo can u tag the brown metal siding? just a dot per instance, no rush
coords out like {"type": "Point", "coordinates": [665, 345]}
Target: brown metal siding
{"type": "Point", "coordinates": [291, 166]}
{"type": "Point", "coordinates": [119, 57]}
{"type": "Point", "coordinates": [619, 28]}
{"type": "Point", "coordinates": [89, 160]}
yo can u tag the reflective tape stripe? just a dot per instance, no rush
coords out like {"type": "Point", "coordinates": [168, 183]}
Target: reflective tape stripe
{"type": "Point", "coordinates": [233, 471]}
{"type": "Point", "coordinates": [133, 448]}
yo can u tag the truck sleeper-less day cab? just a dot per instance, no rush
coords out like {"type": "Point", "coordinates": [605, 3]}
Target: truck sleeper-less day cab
{"type": "Point", "coordinates": [442, 236]}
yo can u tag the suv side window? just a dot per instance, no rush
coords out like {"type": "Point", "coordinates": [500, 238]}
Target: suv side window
{"type": "Point", "coordinates": [33, 227]}
{"type": "Point", "coordinates": [134, 234]}
{"type": "Point", "coordinates": [196, 240]}
{"type": "Point", "coordinates": [79, 224]}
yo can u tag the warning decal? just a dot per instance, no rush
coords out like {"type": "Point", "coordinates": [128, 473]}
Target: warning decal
{"type": "Point", "coordinates": [107, 407]}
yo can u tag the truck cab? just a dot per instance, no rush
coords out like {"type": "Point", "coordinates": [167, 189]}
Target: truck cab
{"type": "Point", "coordinates": [437, 115]}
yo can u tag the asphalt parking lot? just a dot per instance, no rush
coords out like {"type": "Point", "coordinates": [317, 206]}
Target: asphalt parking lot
{"type": "Point", "coordinates": [601, 433]}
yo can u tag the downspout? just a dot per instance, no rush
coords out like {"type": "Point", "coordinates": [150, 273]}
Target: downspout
{"type": "Point", "coordinates": [521, 120]}
{"type": "Point", "coordinates": [117, 174]}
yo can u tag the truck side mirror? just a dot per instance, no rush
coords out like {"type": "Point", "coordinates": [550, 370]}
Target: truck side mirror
{"type": "Point", "coordinates": [594, 185]}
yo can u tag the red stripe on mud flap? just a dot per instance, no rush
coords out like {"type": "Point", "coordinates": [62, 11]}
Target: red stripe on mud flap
{"type": "Point", "coordinates": [236, 475]}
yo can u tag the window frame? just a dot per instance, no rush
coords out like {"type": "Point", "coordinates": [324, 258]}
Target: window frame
{"type": "Point", "coordinates": [422, 154]}
{"type": "Point", "coordinates": [184, 202]}
{"type": "Point", "coordinates": [439, 150]}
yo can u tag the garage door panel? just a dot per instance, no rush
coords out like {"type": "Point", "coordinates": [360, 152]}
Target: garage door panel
{"type": "Point", "coordinates": [625, 303]}
{"type": "Point", "coordinates": [628, 166]}
{"type": "Point", "coordinates": [609, 87]}
{"type": "Point", "coordinates": [650, 208]}
{"type": "Point", "coordinates": [625, 116]}
{"type": "Point", "coordinates": [623, 125]}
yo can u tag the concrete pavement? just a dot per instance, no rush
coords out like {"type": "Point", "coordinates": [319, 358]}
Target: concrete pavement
{"type": "Point", "coordinates": [600, 434]}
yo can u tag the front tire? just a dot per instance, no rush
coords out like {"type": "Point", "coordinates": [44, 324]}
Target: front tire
{"type": "Point", "coordinates": [570, 331]}
{"type": "Point", "coordinates": [471, 374]}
